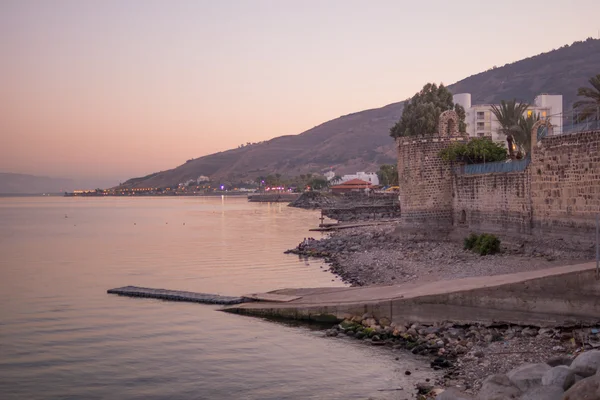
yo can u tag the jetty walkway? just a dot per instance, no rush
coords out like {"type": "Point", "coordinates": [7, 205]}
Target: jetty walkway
{"type": "Point", "coordinates": [568, 295]}
{"type": "Point", "coordinates": [562, 296]}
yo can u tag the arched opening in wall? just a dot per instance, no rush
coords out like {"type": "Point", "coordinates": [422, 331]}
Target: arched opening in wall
{"type": "Point", "coordinates": [451, 129]}
{"type": "Point", "coordinates": [463, 217]}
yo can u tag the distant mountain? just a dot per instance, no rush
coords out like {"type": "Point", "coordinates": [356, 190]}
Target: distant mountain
{"type": "Point", "coordinates": [361, 142]}
{"type": "Point", "coordinates": [30, 184]}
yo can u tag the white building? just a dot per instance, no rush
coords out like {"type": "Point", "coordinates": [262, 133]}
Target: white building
{"type": "Point", "coordinates": [481, 121]}
{"type": "Point", "coordinates": [363, 176]}
{"type": "Point", "coordinates": [329, 175]}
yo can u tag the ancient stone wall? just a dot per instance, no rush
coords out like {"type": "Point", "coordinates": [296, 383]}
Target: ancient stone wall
{"type": "Point", "coordinates": [565, 184]}
{"type": "Point", "coordinates": [498, 202]}
{"type": "Point", "coordinates": [557, 194]}
{"type": "Point", "coordinates": [425, 181]}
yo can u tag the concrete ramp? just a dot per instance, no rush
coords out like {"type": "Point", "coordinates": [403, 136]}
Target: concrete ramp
{"type": "Point", "coordinates": [271, 297]}
{"type": "Point", "coordinates": [563, 296]}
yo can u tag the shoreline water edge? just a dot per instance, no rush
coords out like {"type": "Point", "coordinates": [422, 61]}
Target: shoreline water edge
{"type": "Point", "coordinates": [477, 361]}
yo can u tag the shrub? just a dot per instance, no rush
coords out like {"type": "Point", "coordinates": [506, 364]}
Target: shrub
{"type": "Point", "coordinates": [475, 151]}
{"type": "Point", "coordinates": [483, 244]}
{"type": "Point", "coordinates": [470, 241]}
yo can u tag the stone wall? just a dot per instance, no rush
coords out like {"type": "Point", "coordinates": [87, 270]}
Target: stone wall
{"type": "Point", "coordinates": [558, 194]}
{"type": "Point", "coordinates": [425, 181]}
{"type": "Point", "coordinates": [363, 213]}
{"type": "Point", "coordinates": [497, 202]}
{"type": "Point", "coordinates": [565, 184]}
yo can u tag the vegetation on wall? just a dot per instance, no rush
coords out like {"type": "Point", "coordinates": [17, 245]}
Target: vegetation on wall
{"type": "Point", "coordinates": [483, 244]}
{"type": "Point", "coordinates": [388, 175]}
{"type": "Point", "coordinates": [475, 151]}
{"type": "Point", "coordinates": [421, 113]}
{"type": "Point", "coordinates": [588, 108]}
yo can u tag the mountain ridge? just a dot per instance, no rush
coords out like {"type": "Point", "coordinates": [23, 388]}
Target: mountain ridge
{"type": "Point", "coordinates": [360, 141]}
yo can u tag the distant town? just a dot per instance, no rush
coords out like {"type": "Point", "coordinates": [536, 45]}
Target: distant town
{"type": "Point", "coordinates": [384, 179]}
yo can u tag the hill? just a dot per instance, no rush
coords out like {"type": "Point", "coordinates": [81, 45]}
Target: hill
{"type": "Point", "coordinates": [30, 184]}
{"type": "Point", "coordinates": [361, 142]}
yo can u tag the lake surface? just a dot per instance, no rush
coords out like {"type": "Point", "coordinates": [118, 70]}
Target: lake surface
{"type": "Point", "coordinates": [62, 336]}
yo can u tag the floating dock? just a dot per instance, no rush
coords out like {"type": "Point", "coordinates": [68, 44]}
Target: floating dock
{"type": "Point", "coordinates": [177, 295]}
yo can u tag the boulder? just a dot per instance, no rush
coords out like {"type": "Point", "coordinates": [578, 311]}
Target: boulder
{"type": "Point", "coordinates": [559, 360]}
{"type": "Point", "coordinates": [453, 394]}
{"type": "Point", "coordinates": [561, 376]}
{"type": "Point", "coordinates": [528, 375]}
{"type": "Point", "coordinates": [586, 364]}
{"type": "Point", "coordinates": [585, 389]}
{"type": "Point", "coordinates": [543, 393]}
{"type": "Point", "coordinates": [498, 387]}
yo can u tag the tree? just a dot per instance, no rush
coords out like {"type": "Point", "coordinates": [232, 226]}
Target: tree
{"type": "Point", "coordinates": [318, 183]}
{"type": "Point", "coordinates": [388, 175]}
{"type": "Point", "coordinates": [589, 107]}
{"type": "Point", "coordinates": [508, 116]}
{"type": "Point", "coordinates": [422, 112]}
{"type": "Point", "coordinates": [523, 135]}
{"type": "Point", "coordinates": [336, 179]}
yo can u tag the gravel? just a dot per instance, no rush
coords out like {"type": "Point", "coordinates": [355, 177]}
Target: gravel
{"type": "Point", "coordinates": [376, 255]}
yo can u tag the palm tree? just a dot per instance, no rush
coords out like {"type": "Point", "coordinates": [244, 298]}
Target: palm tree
{"type": "Point", "coordinates": [523, 135]}
{"type": "Point", "coordinates": [590, 106]}
{"type": "Point", "coordinates": [508, 115]}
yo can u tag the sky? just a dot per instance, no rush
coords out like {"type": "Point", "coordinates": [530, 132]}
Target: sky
{"type": "Point", "coordinates": [114, 89]}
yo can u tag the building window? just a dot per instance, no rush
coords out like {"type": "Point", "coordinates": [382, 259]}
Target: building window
{"type": "Point", "coordinates": [480, 115]}
{"type": "Point", "coordinates": [480, 126]}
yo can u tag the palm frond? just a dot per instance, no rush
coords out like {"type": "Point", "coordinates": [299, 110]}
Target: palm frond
{"type": "Point", "coordinates": [589, 106]}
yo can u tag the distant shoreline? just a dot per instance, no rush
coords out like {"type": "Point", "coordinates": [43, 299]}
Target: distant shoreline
{"type": "Point", "coordinates": [235, 194]}
{"type": "Point", "coordinates": [231, 194]}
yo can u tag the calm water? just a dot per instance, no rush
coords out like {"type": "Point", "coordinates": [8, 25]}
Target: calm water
{"type": "Point", "coordinates": [62, 336]}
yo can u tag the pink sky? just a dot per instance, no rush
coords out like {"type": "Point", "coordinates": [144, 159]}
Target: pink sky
{"type": "Point", "coordinates": [122, 88]}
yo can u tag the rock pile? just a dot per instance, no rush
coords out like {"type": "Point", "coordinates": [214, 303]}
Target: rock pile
{"type": "Point", "coordinates": [314, 200]}
{"type": "Point", "coordinates": [479, 358]}
{"type": "Point", "coordinates": [577, 379]}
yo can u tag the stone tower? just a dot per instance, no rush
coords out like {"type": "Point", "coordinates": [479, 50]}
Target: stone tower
{"type": "Point", "coordinates": [425, 180]}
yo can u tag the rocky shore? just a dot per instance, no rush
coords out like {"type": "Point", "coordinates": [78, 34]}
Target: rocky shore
{"type": "Point", "coordinates": [479, 361]}
{"type": "Point", "coordinates": [378, 255]}
{"type": "Point", "coordinates": [314, 200]}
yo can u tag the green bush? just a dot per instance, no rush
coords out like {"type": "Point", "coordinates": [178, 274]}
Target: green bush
{"type": "Point", "coordinates": [483, 244]}
{"type": "Point", "coordinates": [487, 244]}
{"type": "Point", "coordinates": [475, 151]}
{"type": "Point", "coordinates": [470, 241]}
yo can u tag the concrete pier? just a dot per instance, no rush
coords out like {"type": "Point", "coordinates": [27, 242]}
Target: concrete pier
{"type": "Point", "coordinates": [177, 295]}
{"type": "Point", "coordinates": [560, 296]}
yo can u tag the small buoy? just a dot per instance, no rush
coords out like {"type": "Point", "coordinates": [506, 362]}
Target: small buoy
{"type": "Point", "coordinates": [184, 223]}
{"type": "Point", "coordinates": [66, 216]}
{"type": "Point", "coordinates": [134, 223]}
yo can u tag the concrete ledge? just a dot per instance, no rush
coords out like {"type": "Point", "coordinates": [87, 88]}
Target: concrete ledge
{"type": "Point", "coordinates": [560, 296]}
